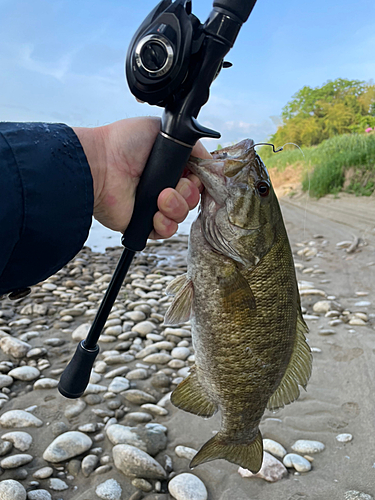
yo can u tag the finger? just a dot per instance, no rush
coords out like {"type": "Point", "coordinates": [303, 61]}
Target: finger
{"type": "Point", "coordinates": [173, 205]}
{"type": "Point", "coordinates": [189, 190]}
{"type": "Point", "coordinates": [199, 151]}
{"type": "Point", "coordinates": [163, 227]}
{"type": "Point", "coordinates": [196, 181]}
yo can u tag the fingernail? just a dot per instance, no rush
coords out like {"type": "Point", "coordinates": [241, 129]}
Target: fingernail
{"type": "Point", "coordinates": [185, 190]}
{"type": "Point", "coordinates": [166, 222]}
{"type": "Point", "coordinates": [172, 201]}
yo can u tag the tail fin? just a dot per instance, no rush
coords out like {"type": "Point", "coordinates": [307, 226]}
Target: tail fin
{"type": "Point", "coordinates": [247, 455]}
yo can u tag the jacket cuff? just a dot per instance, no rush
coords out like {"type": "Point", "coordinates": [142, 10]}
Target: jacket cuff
{"type": "Point", "coordinates": [54, 205]}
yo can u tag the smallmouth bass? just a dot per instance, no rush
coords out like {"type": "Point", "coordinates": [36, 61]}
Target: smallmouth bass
{"type": "Point", "coordinates": [241, 295]}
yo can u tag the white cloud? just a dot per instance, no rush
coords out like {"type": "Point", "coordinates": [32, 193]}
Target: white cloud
{"type": "Point", "coordinates": [57, 70]}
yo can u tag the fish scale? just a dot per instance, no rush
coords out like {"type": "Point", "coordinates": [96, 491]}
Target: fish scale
{"type": "Point", "coordinates": [241, 294]}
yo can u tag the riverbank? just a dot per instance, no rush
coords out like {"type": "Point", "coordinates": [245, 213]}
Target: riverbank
{"type": "Point", "coordinates": [141, 361]}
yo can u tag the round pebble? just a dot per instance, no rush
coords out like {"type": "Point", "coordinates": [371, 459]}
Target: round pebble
{"type": "Point", "coordinates": [5, 447]}
{"type": "Point", "coordinates": [272, 469]}
{"type": "Point", "coordinates": [67, 445]}
{"type": "Point", "coordinates": [181, 353]}
{"type": "Point", "coordinates": [43, 473]}
{"type": "Point", "coordinates": [274, 447]}
{"type": "Point", "coordinates": [357, 322]}
{"type": "Point", "coordinates": [88, 464]}
{"type": "Point", "coordinates": [80, 333]}
{"type": "Point", "coordinates": [75, 409]}
{"type": "Point", "coordinates": [185, 452]}
{"type": "Point", "coordinates": [119, 384]}
{"type": "Point", "coordinates": [139, 397]}
{"type": "Point", "coordinates": [187, 487]}
{"type": "Point", "coordinates": [5, 381]}
{"type": "Point", "coordinates": [19, 418]}
{"type": "Point", "coordinates": [137, 374]}
{"type": "Point", "coordinates": [155, 409]}
{"type": "Point", "coordinates": [39, 495]}
{"type": "Point", "coordinates": [144, 327]}
{"type": "Point", "coordinates": [15, 347]}
{"type": "Point", "coordinates": [133, 462]}
{"type": "Point", "coordinates": [344, 438]}
{"type": "Point", "coordinates": [46, 383]}
{"type": "Point", "coordinates": [322, 306]}
{"type": "Point", "coordinates": [357, 495]}
{"type": "Point", "coordinates": [15, 461]}
{"type": "Point", "coordinates": [57, 484]}
{"type": "Point", "coordinates": [159, 358]}
{"type": "Point", "coordinates": [135, 315]}
{"type": "Point", "coordinates": [299, 463]}
{"type": "Point", "coordinates": [21, 440]}
{"type": "Point", "coordinates": [142, 484]}
{"type": "Point", "coordinates": [12, 490]}
{"type": "Point", "coordinates": [109, 490]}
{"type": "Point", "coordinates": [25, 373]}
{"type": "Point", "coordinates": [306, 447]}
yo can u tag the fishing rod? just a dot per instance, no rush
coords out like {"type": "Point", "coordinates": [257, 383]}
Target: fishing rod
{"type": "Point", "coordinates": [171, 62]}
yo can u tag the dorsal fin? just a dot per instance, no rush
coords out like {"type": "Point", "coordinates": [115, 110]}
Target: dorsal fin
{"type": "Point", "coordinates": [298, 371]}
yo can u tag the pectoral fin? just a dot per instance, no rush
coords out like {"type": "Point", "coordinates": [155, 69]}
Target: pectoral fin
{"type": "Point", "coordinates": [236, 291]}
{"type": "Point", "coordinates": [190, 396]}
{"type": "Point", "coordinates": [176, 284]}
{"type": "Point", "coordinates": [247, 455]}
{"type": "Point", "coordinates": [180, 309]}
{"type": "Point", "coordinates": [298, 371]}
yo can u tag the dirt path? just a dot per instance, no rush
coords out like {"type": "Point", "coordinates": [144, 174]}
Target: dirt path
{"type": "Point", "coordinates": [357, 213]}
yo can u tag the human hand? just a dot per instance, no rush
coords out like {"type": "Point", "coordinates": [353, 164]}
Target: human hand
{"type": "Point", "coordinates": [117, 154]}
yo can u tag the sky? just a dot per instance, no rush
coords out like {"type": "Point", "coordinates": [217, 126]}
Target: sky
{"type": "Point", "coordinates": [63, 60]}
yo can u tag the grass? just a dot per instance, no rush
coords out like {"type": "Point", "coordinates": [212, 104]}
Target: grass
{"type": "Point", "coordinates": [327, 165]}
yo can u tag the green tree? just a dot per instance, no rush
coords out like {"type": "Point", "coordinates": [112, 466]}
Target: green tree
{"type": "Point", "coordinates": [315, 114]}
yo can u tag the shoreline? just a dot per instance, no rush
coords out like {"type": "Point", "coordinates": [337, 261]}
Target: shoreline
{"type": "Point", "coordinates": [140, 355]}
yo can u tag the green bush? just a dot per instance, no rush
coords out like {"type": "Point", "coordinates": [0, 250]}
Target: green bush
{"type": "Point", "coordinates": [325, 165]}
{"type": "Point", "coordinates": [335, 156]}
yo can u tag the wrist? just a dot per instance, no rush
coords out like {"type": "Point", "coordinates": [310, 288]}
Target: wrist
{"type": "Point", "coordinates": [93, 144]}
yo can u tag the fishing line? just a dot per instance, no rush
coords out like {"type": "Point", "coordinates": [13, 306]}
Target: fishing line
{"type": "Point", "coordinates": [308, 175]}
{"type": "Point", "coordinates": [308, 191]}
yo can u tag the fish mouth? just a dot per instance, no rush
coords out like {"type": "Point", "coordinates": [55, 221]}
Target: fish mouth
{"type": "Point", "coordinates": [210, 173]}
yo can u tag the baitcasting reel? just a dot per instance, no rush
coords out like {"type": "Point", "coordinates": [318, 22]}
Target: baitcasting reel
{"type": "Point", "coordinates": [159, 53]}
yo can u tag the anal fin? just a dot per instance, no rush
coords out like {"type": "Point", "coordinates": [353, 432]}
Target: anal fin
{"type": "Point", "coordinates": [247, 455]}
{"type": "Point", "coordinates": [190, 396]}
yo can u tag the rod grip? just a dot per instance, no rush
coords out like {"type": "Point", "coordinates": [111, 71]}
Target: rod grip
{"type": "Point", "coordinates": [163, 169]}
{"type": "Point", "coordinates": [76, 376]}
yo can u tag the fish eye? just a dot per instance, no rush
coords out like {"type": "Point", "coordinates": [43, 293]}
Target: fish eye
{"type": "Point", "coordinates": [263, 188]}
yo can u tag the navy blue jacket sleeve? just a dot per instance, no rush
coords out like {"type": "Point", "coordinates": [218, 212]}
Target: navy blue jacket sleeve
{"type": "Point", "coordinates": [46, 201]}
